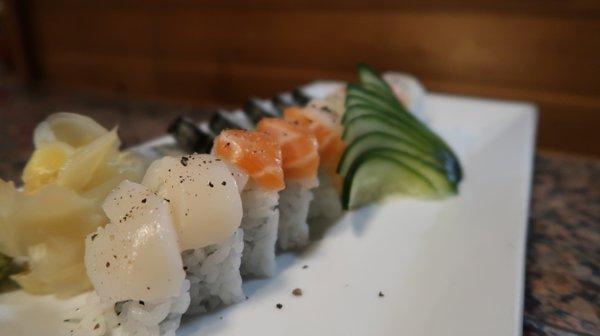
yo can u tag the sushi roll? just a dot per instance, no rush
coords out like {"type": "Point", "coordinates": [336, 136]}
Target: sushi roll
{"type": "Point", "coordinates": [328, 132]}
{"type": "Point", "coordinates": [300, 162]}
{"type": "Point", "coordinates": [173, 246]}
{"type": "Point", "coordinates": [258, 156]}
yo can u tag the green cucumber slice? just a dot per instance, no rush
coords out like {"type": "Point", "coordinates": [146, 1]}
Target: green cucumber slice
{"type": "Point", "coordinates": [356, 98]}
{"type": "Point", "coordinates": [378, 140]}
{"type": "Point", "coordinates": [371, 80]}
{"type": "Point", "coordinates": [369, 123]}
{"type": "Point", "coordinates": [356, 94]}
{"type": "Point", "coordinates": [374, 175]}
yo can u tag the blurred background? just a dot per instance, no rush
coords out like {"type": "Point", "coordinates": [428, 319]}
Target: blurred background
{"type": "Point", "coordinates": [206, 53]}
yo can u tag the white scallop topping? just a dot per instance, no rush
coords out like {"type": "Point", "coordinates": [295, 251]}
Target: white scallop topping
{"type": "Point", "coordinates": [203, 194]}
{"type": "Point", "coordinates": [136, 256]}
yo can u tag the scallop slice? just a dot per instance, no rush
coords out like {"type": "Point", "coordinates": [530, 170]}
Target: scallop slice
{"type": "Point", "coordinates": [203, 194]}
{"type": "Point", "coordinates": [136, 256]}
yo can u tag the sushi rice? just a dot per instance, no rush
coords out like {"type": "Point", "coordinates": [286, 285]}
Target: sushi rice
{"type": "Point", "coordinates": [260, 224]}
{"type": "Point", "coordinates": [326, 202]}
{"type": "Point", "coordinates": [294, 202]}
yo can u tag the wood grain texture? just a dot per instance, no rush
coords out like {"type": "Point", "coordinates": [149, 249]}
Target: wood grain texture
{"type": "Point", "coordinates": [199, 51]}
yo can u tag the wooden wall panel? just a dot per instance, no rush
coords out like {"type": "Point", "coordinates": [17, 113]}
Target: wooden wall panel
{"type": "Point", "coordinates": [207, 52]}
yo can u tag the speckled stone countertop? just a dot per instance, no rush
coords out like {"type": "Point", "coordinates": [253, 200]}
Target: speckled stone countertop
{"type": "Point", "coordinates": [563, 253]}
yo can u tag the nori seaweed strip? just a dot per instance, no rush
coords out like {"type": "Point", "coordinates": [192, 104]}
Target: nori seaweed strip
{"type": "Point", "coordinates": [189, 136]}
{"type": "Point", "coordinates": [300, 97]}
{"type": "Point", "coordinates": [221, 121]}
{"type": "Point", "coordinates": [283, 100]}
{"type": "Point", "coordinates": [256, 110]}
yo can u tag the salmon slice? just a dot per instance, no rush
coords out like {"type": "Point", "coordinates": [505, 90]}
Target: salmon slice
{"type": "Point", "coordinates": [299, 148]}
{"type": "Point", "coordinates": [324, 127]}
{"type": "Point", "coordinates": [255, 153]}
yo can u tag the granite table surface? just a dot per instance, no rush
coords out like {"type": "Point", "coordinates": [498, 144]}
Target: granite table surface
{"type": "Point", "coordinates": [562, 295]}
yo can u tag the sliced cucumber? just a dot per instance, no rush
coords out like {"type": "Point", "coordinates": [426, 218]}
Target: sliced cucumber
{"type": "Point", "coordinates": [365, 105]}
{"type": "Point", "coordinates": [368, 123]}
{"type": "Point", "coordinates": [378, 173]}
{"type": "Point", "coordinates": [390, 151]}
{"type": "Point", "coordinates": [372, 177]}
{"type": "Point", "coordinates": [377, 140]}
{"type": "Point", "coordinates": [361, 95]}
{"type": "Point", "coordinates": [372, 81]}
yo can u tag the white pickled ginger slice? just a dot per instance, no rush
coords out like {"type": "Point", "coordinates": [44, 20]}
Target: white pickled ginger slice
{"type": "Point", "coordinates": [203, 194]}
{"type": "Point", "coordinates": [73, 129]}
{"type": "Point", "coordinates": [136, 256]}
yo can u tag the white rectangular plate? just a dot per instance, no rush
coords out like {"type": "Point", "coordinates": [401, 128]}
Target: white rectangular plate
{"type": "Point", "coordinates": [452, 267]}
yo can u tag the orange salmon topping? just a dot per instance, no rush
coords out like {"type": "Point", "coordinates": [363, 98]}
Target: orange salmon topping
{"type": "Point", "coordinates": [255, 153]}
{"type": "Point", "coordinates": [323, 126]}
{"type": "Point", "coordinates": [299, 148]}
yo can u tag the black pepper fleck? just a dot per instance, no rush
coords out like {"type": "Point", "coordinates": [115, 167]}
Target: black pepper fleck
{"type": "Point", "coordinates": [224, 183]}
{"type": "Point", "coordinates": [107, 264]}
{"type": "Point", "coordinates": [381, 294]}
{"type": "Point", "coordinates": [94, 236]}
{"type": "Point", "coordinates": [142, 303]}
{"type": "Point", "coordinates": [184, 161]}
{"type": "Point", "coordinates": [144, 200]}
{"type": "Point", "coordinates": [210, 184]}
{"type": "Point", "coordinates": [305, 267]}
{"type": "Point", "coordinates": [279, 306]}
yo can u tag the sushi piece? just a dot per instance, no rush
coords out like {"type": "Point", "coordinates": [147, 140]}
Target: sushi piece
{"type": "Point", "coordinates": [136, 267]}
{"type": "Point", "coordinates": [300, 162]}
{"type": "Point", "coordinates": [328, 132]}
{"type": "Point", "coordinates": [207, 212]}
{"type": "Point", "coordinates": [173, 246]}
{"type": "Point", "coordinates": [258, 156]}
